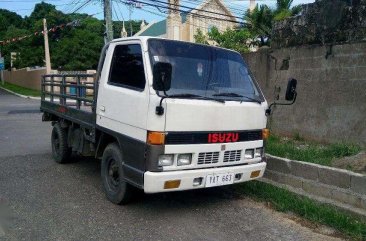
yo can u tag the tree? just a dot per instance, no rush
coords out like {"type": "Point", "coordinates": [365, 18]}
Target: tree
{"type": "Point", "coordinates": [80, 51]}
{"type": "Point", "coordinates": [283, 5]}
{"type": "Point", "coordinates": [257, 30]}
{"type": "Point", "coordinates": [259, 23]}
{"type": "Point", "coordinates": [117, 27]}
{"type": "Point", "coordinates": [200, 38]}
{"type": "Point", "coordinates": [236, 39]}
{"type": "Point", "coordinates": [8, 18]}
{"type": "Point", "coordinates": [72, 47]}
{"type": "Point", "coordinates": [284, 10]}
{"type": "Point", "coordinates": [260, 20]}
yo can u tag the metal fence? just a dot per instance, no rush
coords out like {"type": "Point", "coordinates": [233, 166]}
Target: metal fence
{"type": "Point", "coordinates": [61, 87]}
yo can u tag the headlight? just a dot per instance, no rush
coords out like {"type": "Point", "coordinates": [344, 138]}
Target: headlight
{"type": "Point", "coordinates": [249, 153]}
{"type": "Point", "coordinates": [184, 159]}
{"type": "Point", "coordinates": [258, 152]}
{"type": "Point", "coordinates": [166, 160]}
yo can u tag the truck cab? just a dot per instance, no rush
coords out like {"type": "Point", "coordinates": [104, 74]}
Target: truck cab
{"type": "Point", "coordinates": [170, 116]}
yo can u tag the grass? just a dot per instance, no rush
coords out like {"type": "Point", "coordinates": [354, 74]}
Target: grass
{"type": "Point", "coordinates": [21, 90]}
{"type": "Point", "coordinates": [286, 201]}
{"type": "Point", "coordinates": [301, 150]}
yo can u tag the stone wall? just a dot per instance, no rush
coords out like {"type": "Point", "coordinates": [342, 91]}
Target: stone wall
{"type": "Point", "coordinates": [325, 21]}
{"type": "Point", "coordinates": [331, 103]}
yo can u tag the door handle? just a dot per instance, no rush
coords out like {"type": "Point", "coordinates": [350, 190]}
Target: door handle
{"type": "Point", "coordinates": [102, 108]}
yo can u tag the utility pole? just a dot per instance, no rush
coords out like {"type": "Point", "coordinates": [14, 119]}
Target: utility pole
{"type": "Point", "coordinates": [108, 20]}
{"type": "Point", "coordinates": [46, 47]}
{"type": "Point", "coordinates": [130, 8]}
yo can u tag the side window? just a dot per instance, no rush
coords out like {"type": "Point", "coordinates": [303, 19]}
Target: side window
{"type": "Point", "coordinates": [127, 68]}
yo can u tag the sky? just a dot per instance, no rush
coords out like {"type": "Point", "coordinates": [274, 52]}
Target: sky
{"type": "Point", "coordinates": [121, 11]}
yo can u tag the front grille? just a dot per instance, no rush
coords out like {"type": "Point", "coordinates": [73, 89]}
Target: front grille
{"type": "Point", "coordinates": [179, 138]}
{"type": "Point", "coordinates": [232, 156]}
{"type": "Point", "coordinates": [208, 157]}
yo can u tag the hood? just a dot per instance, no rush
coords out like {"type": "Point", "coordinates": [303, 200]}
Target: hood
{"type": "Point", "coordinates": [206, 115]}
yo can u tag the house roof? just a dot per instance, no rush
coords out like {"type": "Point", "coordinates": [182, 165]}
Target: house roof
{"type": "Point", "coordinates": [155, 29]}
{"type": "Point", "coordinates": [158, 28]}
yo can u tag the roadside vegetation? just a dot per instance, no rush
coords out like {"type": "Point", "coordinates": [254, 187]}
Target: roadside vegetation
{"type": "Point", "coordinates": [256, 30]}
{"type": "Point", "coordinates": [21, 90]}
{"type": "Point", "coordinates": [75, 46]}
{"type": "Point", "coordinates": [301, 150]}
{"type": "Point", "coordinates": [288, 202]}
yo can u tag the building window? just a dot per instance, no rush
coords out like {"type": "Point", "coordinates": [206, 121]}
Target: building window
{"type": "Point", "coordinates": [127, 68]}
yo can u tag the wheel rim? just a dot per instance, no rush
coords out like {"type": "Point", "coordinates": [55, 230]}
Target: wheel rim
{"type": "Point", "coordinates": [113, 176]}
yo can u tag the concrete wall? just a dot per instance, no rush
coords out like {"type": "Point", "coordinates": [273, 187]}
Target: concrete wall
{"type": "Point", "coordinates": [27, 78]}
{"type": "Point", "coordinates": [31, 79]}
{"type": "Point", "coordinates": [331, 103]}
{"type": "Point", "coordinates": [341, 188]}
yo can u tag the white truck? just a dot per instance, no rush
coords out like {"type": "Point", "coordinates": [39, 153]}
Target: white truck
{"type": "Point", "coordinates": [163, 116]}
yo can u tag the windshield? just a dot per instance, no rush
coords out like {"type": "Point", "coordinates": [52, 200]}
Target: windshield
{"type": "Point", "coordinates": [205, 71]}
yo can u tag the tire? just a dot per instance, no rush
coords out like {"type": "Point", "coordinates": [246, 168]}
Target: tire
{"type": "Point", "coordinates": [60, 151]}
{"type": "Point", "coordinates": [117, 190]}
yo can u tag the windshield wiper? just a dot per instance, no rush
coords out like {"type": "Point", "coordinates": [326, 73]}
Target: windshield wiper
{"type": "Point", "coordinates": [232, 94]}
{"type": "Point", "coordinates": [160, 110]}
{"type": "Point", "coordinates": [193, 96]}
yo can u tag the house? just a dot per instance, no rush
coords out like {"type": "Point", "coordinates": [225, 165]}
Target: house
{"type": "Point", "coordinates": [184, 25]}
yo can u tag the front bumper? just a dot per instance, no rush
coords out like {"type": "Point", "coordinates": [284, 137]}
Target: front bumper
{"type": "Point", "coordinates": [154, 181]}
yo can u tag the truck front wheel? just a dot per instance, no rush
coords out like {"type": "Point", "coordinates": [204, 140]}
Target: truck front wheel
{"type": "Point", "coordinates": [60, 150]}
{"type": "Point", "coordinates": [115, 187]}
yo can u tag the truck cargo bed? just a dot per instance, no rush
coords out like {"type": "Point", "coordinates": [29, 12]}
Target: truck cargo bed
{"type": "Point", "coordinates": [71, 97]}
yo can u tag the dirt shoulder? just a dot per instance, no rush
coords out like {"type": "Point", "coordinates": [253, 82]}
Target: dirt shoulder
{"type": "Point", "coordinates": [356, 163]}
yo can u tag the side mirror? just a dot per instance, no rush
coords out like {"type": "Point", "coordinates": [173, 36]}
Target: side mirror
{"type": "Point", "coordinates": [291, 95]}
{"type": "Point", "coordinates": [291, 90]}
{"type": "Point", "coordinates": [162, 73]}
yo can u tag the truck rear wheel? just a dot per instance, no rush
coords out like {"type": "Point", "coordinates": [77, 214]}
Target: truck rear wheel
{"type": "Point", "coordinates": [60, 150]}
{"type": "Point", "coordinates": [117, 190]}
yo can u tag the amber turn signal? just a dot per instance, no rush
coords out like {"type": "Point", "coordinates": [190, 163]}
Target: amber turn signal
{"type": "Point", "coordinates": [265, 134]}
{"type": "Point", "coordinates": [255, 174]}
{"type": "Point", "coordinates": [171, 184]}
{"type": "Point", "coordinates": [155, 138]}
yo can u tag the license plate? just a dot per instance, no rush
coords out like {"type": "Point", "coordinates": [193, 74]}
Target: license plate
{"type": "Point", "coordinates": [219, 179]}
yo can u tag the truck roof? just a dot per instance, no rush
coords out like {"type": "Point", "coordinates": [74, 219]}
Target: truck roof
{"type": "Point", "coordinates": [145, 38]}
{"type": "Point", "coordinates": [142, 38]}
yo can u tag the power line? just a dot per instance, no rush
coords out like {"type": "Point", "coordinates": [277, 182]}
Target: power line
{"type": "Point", "coordinates": [226, 4]}
{"type": "Point", "coordinates": [152, 12]}
{"type": "Point", "coordinates": [34, 1]}
{"type": "Point", "coordinates": [190, 8]}
{"type": "Point", "coordinates": [74, 23]}
{"type": "Point", "coordinates": [187, 12]}
{"type": "Point", "coordinates": [202, 10]}
{"type": "Point", "coordinates": [81, 6]}
{"type": "Point", "coordinates": [119, 10]}
{"type": "Point", "coordinates": [234, 10]}
{"type": "Point", "coordinates": [115, 13]}
{"type": "Point", "coordinates": [71, 6]}
{"type": "Point", "coordinates": [201, 27]}
{"type": "Point", "coordinates": [145, 10]}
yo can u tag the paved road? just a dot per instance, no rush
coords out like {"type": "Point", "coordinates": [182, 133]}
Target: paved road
{"type": "Point", "coordinates": [42, 200]}
{"type": "Point", "coordinates": [21, 129]}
